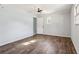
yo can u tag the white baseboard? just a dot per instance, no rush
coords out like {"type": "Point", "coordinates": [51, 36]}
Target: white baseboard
{"type": "Point", "coordinates": [57, 35]}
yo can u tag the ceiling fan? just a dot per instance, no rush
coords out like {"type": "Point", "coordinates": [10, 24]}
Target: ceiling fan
{"type": "Point", "coordinates": [39, 10]}
{"type": "Point", "coordinates": [43, 11]}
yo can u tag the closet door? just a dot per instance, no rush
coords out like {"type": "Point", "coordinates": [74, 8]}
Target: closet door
{"type": "Point", "coordinates": [40, 26]}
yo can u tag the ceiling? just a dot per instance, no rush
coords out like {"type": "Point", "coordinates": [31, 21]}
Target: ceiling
{"type": "Point", "coordinates": [47, 8]}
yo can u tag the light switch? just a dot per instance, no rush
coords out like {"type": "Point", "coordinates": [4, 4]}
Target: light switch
{"type": "Point", "coordinates": [49, 20]}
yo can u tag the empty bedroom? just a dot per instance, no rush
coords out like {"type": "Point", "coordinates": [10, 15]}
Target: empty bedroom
{"type": "Point", "coordinates": [39, 29]}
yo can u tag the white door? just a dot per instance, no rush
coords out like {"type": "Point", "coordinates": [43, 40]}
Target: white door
{"type": "Point", "coordinates": [40, 26]}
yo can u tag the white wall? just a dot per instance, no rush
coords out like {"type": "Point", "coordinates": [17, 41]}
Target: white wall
{"type": "Point", "coordinates": [15, 24]}
{"type": "Point", "coordinates": [74, 31]}
{"type": "Point", "coordinates": [59, 24]}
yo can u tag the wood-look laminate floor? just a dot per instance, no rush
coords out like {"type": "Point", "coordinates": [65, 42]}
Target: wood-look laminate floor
{"type": "Point", "coordinates": [40, 44]}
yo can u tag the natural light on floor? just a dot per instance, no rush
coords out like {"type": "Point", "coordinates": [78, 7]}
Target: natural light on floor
{"type": "Point", "coordinates": [29, 42]}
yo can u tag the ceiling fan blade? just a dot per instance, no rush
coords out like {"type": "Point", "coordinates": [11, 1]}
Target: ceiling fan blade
{"type": "Point", "coordinates": [39, 10]}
